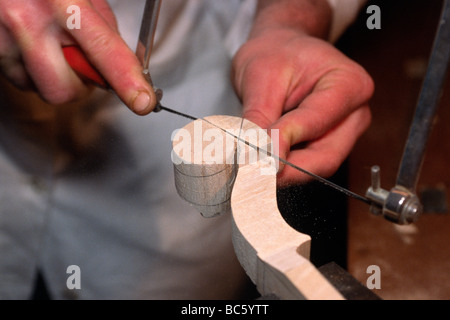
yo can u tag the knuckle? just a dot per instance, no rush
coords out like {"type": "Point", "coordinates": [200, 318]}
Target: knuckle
{"type": "Point", "coordinates": [100, 41]}
{"type": "Point", "coordinates": [15, 18]}
{"type": "Point", "coordinates": [15, 73]}
{"type": "Point", "coordinates": [60, 95]}
{"type": "Point", "coordinates": [258, 117]}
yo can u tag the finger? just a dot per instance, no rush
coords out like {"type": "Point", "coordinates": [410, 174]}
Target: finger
{"type": "Point", "coordinates": [11, 65]}
{"type": "Point", "coordinates": [14, 70]}
{"type": "Point", "coordinates": [262, 101]}
{"type": "Point", "coordinates": [104, 9]}
{"type": "Point", "coordinates": [36, 50]}
{"type": "Point", "coordinates": [325, 155]}
{"type": "Point", "coordinates": [54, 79]}
{"type": "Point", "coordinates": [110, 55]}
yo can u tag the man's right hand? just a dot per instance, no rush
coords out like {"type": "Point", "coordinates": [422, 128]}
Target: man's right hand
{"type": "Point", "coordinates": [32, 34]}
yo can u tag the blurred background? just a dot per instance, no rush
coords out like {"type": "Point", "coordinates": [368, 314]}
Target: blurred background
{"type": "Point", "coordinates": [414, 259]}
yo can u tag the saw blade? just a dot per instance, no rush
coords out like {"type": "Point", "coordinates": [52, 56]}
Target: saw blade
{"type": "Point", "coordinates": [313, 175]}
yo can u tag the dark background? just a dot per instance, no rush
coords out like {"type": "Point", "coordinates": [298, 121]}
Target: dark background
{"type": "Point", "coordinates": [415, 259]}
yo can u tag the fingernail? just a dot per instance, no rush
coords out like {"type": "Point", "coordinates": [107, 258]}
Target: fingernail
{"type": "Point", "coordinates": [141, 103]}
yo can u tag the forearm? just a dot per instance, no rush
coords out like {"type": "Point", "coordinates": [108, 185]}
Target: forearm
{"type": "Point", "coordinates": [312, 17]}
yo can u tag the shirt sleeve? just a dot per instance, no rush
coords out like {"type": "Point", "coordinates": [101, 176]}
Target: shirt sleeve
{"type": "Point", "coordinates": [344, 13]}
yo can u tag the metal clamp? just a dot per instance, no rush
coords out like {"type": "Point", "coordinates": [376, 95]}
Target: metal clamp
{"type": "Point", "coordinates": [398, 205]}
{"type": "Point", "coordinates": [401, 204]}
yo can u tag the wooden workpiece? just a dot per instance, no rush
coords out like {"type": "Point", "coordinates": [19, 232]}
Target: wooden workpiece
{"type": "Point", "coordinates": [217, 174]}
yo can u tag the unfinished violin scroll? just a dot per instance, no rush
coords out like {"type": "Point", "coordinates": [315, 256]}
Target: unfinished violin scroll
{"type": "Point", "coordinates": [217, 174]}
{"type": "Point", "coordinates": [206, 160]}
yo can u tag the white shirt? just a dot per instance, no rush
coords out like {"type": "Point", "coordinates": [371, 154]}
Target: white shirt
{"type": "Point", "coordinates": [92, 185]}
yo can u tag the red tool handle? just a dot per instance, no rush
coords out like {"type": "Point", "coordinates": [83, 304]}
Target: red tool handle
{"type": "Point", "coordinates": [80, 64]}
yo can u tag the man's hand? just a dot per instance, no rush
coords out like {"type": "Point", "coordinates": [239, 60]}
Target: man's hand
{"type": "Point", "coordinates": [289, 79]}
{"type": "Point", "coordinates": [32, 34]}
